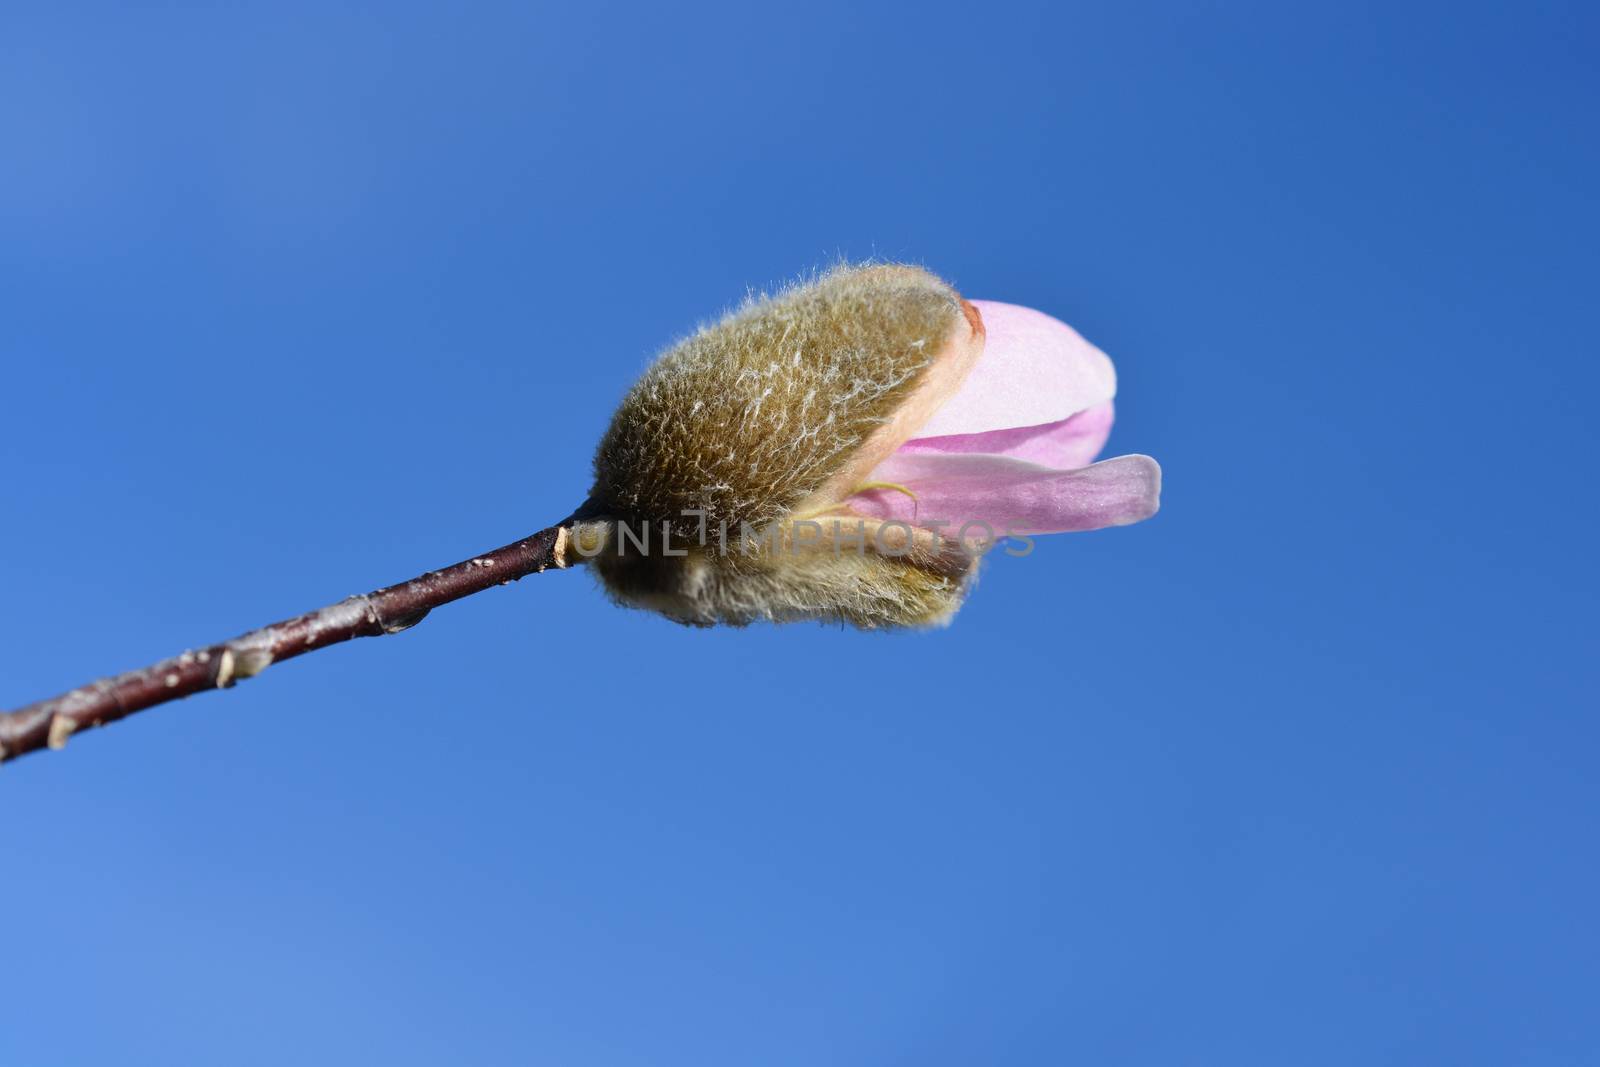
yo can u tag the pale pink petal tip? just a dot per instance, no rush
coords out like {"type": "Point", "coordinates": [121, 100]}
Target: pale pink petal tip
{"type": "Point", "coordinates": [1012, 496]}
{"type": "Point", "coordinates": [1034, 370]}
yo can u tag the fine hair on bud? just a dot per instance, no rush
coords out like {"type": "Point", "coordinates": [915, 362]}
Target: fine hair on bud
{"type": "Point", "coordinates": [765, 419]}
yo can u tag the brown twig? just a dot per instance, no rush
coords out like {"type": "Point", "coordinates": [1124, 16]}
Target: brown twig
{"type": "Point", "coordinates": [50, 722]}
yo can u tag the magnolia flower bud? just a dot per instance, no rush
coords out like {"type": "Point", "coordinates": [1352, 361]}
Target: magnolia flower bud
{"type": "Point", "coordinates": [847, 449]}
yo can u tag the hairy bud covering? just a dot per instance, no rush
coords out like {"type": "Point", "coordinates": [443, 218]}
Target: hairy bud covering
{"type": "Point", "coordinates": [759, 422]}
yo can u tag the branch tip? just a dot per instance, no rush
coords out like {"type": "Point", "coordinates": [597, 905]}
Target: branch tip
{"type": "Point", "coordinates": [49, 723]}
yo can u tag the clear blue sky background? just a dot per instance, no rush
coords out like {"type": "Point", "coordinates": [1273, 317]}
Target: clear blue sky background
{"type": "Point", "coordinates": [300, 300]}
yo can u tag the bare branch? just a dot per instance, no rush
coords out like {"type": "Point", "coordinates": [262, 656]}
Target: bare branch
{"type": "Point", "coordinates": [50, 722]}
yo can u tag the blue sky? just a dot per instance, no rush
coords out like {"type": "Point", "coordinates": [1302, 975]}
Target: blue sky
{"type": "Point", "coordinates": [299, 300]}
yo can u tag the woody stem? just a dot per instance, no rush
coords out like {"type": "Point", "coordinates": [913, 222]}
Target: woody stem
{"type": "Point", "coordinates": [49, 723]}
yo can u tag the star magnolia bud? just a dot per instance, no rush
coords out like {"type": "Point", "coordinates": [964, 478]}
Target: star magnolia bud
{"type": "Point", "coordinates": [846, 450]}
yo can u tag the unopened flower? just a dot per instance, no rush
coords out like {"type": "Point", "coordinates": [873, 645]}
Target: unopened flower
{"type": "Point", "coordinates": [847, 449]}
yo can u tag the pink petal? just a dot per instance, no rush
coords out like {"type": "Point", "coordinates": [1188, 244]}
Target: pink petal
{"type": "Point", "coordinates": [1011, 495]}
{"type": "Point", "coordinates": [1034, 370]}
{"type": "Point", "coordinates": [1066, 445]}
